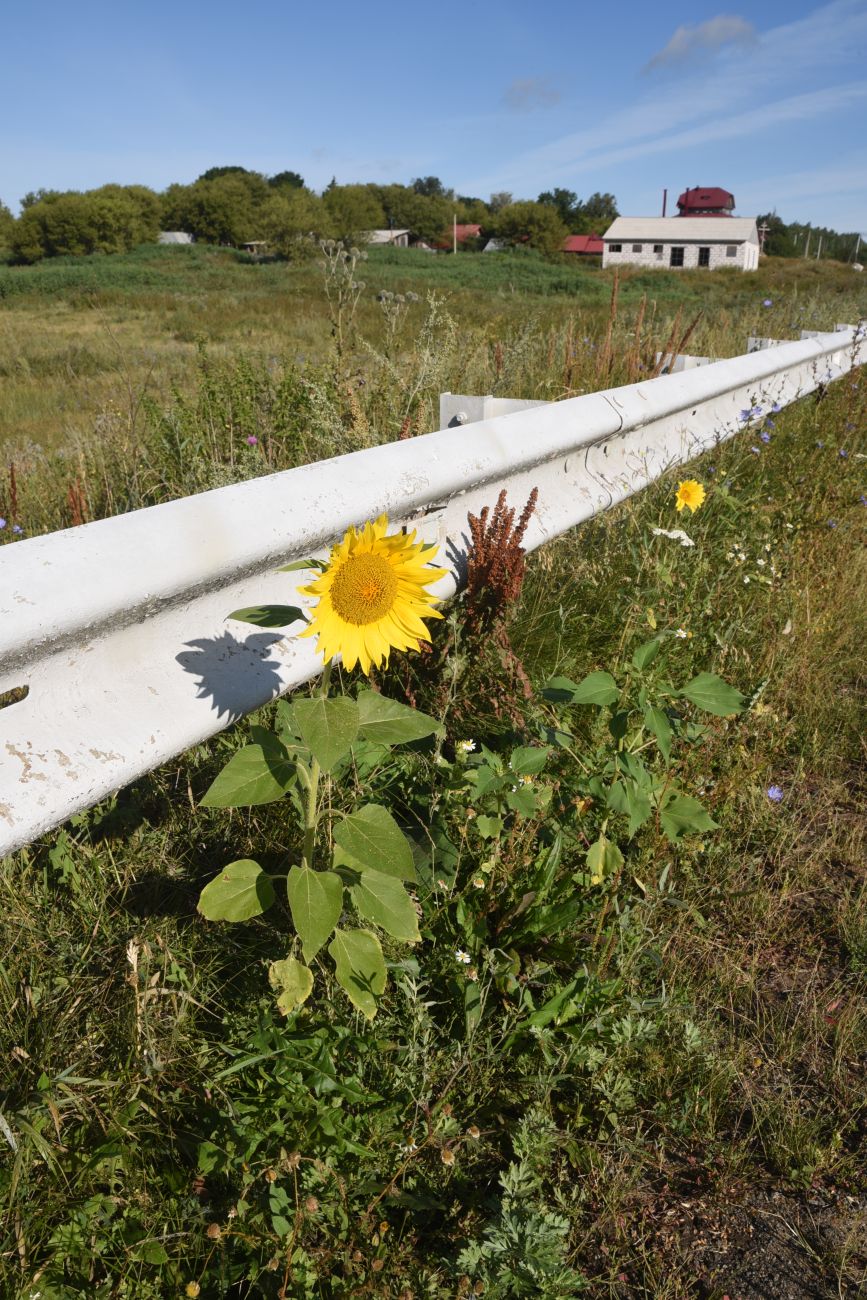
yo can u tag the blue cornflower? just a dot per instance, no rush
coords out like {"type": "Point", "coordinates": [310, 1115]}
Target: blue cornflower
{"type": "Point", "coordinates": [843, 452]}
{"type": "Point", "coordinates": [757, 450]}
{"type": "Point", "coordinates": [863, 499]}
{"type": "Point", "coordinates": [16, 528]}
{"type": "Point", "coordinates": [756, 411]}
{"type": "Point", "coordinates": [820, 444]}
{"type": "Point", "coordinates": [765, 437]}
{"type": "Point", "coordinates": [776, 407]}
{"type": "Point", "coordinates": [768, 302]}
{"type": "Point", "coordinates": [2, 523]}
{"type": "Point", "coordinates": [770, 424]}
{"type": "Point", "coordinates": [775, 793]}
{"type": "Point", "coordinates": [832, 523]}
{"type": "Point", "coordinates": [744, 416]}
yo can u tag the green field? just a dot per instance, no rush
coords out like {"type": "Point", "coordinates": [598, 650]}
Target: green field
{"type": "Point", "coordinates": [625, 1058]}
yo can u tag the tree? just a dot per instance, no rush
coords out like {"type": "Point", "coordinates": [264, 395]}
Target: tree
{"type": "Point", "coordinates": [108, 220]}
{"type": "Point", "coordinates": [7, 225]}
{"type": "Point", "coordinates": [219, 211]}
{"type": "Point", "coordinates": [566, 204]}
{"type": "Point", "coordinates": [598, 212]}
{"type": "Point", "coordinates": [39, 196]}
{"type": "Point", "coordinates": [214, 173]}
{"type": "Point", "coordinates": [500, 200]}
{"type": "Point", "coordinates": [535, 225]}
{"type": "Point", "coordinates": [291, 220]}
{"type": "Point", "coordinates": [430, 186]}
{"type": "Point", "coordinates": [353, 209]}
{"type": "Point", "coordinates": [407, 209]}
{"type": "Point", "coordinates": [282, 179]}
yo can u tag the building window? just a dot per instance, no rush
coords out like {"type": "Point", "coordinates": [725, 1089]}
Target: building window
{"type": "Point", "coordinates": [676, 257]}
{"type": "Point", "coordinates": [657, 249]}
{"type": "Point", "coordinates": [636, 248]}
{"type": "Point", "coordinates": [615, 248]}
{"type": "Point", "coordinates": [731, 250]}
{"type": "Point", "coordinates": [704, 257]}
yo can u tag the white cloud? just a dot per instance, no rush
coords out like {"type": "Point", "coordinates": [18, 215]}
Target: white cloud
{"type": "Point", "coordinates": [725, 29]}
{"type": "Point", "coordinates": [528, 93]}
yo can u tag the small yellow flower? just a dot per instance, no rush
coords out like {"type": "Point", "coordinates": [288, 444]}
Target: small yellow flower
{"type": "Point", "coordinates": [372, 596]}
{"type": "Point", "coordinates": [689, 493]}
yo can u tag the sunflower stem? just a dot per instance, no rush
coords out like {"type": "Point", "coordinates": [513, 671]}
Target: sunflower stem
{"type": "Point", "coordinates": [314, 771]}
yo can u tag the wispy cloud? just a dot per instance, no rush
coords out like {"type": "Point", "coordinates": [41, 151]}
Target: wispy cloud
{"type": "Point", "coordinates": [528, 93]}
{"type": "Point", "coordinates": [793, 72]}
{"type": "Point", "coordinates": [725, 29]}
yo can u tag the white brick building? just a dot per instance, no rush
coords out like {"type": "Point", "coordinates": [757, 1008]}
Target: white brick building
{"type": "Point", "coordinates": [682, 242]}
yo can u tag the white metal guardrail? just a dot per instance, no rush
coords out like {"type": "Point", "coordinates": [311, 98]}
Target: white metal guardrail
{"type": "Point", "coordinates": [118, 628]}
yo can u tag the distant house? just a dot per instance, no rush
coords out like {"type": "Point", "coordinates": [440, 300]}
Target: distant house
{"type": "Point", "coordinates": [706, 241]}
{"type": "Point", "coordinates": [583, 245]}
{"type": "Point", "coordinates": [174, 237]}
{"type": "Point", "coordinates": [256, 246]}
{"type": "Point", "coordinates": [395, 238]}
{"type": "Point", "coordinates": [460, 233]}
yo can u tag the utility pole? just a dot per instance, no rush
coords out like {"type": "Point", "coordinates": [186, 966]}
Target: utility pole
{"type": "Point", "coordinates": [454, 232]}
{"type": "Point", "coordinates": [819, 249]}
{"type": "Point", "coordinates": [807, 247]}
{"type": "Point", "coordinates": [763, 234]}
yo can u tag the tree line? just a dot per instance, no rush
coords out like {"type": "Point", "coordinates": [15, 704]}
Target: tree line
{"type": "Point", "coordinates": [233, 205]}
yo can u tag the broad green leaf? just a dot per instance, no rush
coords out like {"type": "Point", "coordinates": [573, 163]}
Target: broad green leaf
{"type": "Point", "coordinates": [682, 814]}
{"type": "Point", "coordinates": [297, 566]}
{"type": "Point", "coordinates": [560, 690]}
{"type": "Point", "coordinates": [627, 797]}
{"type": "Point", "coordinates": [529, 759]}
{"type": "Point", "coordinates": [150, 1252]}
{"type": "Point", "coordinates": [645, 654]}
{"type": "Point", "coordinates": [257, 774]}
{"type": "Point", "coordinates": [360, 967]}
{"type": "Point", "coordinates": [658, 724]}
{"type": "Point", "coordinates": [388, 723]}
{"type": "Point", "coordinates": [240, 891]}
{"type": "Point", "coordinates": [711, 693]}
{"type": "Point", "coordinates": [558, 1008]}
{"type": "Point", "coordinates": [327, 727]}
{"type": "Point", "coordinates": [293, 982]}
{"type": "Point", "coordinates": [603, 858]}
{"type": "Point", "coordinates": [596, 688]}
{"type": "Point", "coordinates": [522, 800]}
{"type": "Point", "coordinates": [472, 1006]}
{"type": "Point", "coordinates": [371, 838]}
{"type": "Point", "coordinates": [315, 901]}
{"type": "Point", "coordinates": [269, 615]}
{"type": "Point", "coordinates": [488, 827]}
{"type": "Point", "coordinates": [383, 900]}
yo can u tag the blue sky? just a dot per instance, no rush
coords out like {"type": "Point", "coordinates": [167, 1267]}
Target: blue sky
{"type": "Point", "coordinates": [769, 102]}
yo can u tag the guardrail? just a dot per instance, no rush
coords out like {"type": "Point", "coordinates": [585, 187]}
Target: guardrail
{"type": "Point", "coordinates": [118, 628]}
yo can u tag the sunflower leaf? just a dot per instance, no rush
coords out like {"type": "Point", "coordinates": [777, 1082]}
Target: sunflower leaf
{"type": "Point", "coordinates": [360, 967]}
{"type": "Point", "coordinates": [371, 839]}
{"type": "Point", "coordinates": [269, 615]}
{"type": "Point", "coordinates": [257, 774]}
{"type": "Point", "coordinates": [327, 727]}
{"type": "Point", "coordinates": [239, 892]}
{"type": "Point", "coordinates": [384, 900]}
{"type": "Point", "coordinates": [315, 901]}
{"type": "Point", "coordinates": [711, 693]}
{"type": "Point", "coordinates": [388, 723]}
{"type": "Point", "coordinates": [293, 982]}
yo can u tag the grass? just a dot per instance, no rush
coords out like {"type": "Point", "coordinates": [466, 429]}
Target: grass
{"type": "Point", "coordinates": [694, 1126]}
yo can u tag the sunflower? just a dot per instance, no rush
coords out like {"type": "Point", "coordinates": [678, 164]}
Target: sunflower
{"type": "Point", "coordinates": [372, 596]}
{"type": "Point", "coordinates": [689, 493]}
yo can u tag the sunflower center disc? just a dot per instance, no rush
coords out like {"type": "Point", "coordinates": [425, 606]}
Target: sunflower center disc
{"type": "Point", "coordinates": [364, 589]}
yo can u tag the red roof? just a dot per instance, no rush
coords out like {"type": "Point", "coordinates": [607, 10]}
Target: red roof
{"type": "Point", "coordinates": [695, 202]}
{"type": "Point", "coordinates": [461, 232]}
{"type": "Point", "coordinates": [583, 244]}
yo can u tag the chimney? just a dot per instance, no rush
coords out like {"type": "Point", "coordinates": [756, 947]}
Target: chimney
{"type": "Point", "coordinates": [664, 201]}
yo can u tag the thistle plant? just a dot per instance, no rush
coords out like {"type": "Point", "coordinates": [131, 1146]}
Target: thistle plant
{"type": "Point", "coordinates": [371, 598]}
{"type": "Point", "coordinates": [343, 289]}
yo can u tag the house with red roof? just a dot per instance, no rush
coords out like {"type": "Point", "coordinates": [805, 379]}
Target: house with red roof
{"type": "Point", "coordinates": [583, 245]}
